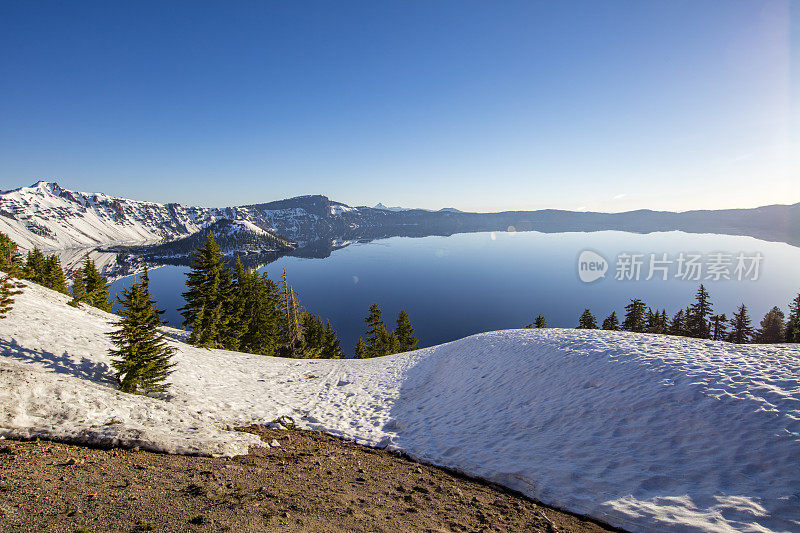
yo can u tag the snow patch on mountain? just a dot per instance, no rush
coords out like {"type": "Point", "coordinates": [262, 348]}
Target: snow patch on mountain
{"type": "Point", "coordinates": [51, 217]}
{"type": "Point", "coordinates": [646, 432]}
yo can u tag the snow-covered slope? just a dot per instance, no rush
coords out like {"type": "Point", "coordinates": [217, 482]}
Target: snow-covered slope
{"type": "Point", "coordinates": [50, 217]}
{"type": "Point", "coordinates": [646, 432]}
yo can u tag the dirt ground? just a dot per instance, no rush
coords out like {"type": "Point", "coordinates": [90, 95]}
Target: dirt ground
{"type": "Point", "coordinates": [312, 482]}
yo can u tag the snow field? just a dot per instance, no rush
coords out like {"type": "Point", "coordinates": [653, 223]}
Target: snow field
{"type": "Point", "coordinates": [645, 432]}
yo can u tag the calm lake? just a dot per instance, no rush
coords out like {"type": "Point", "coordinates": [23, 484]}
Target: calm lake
{"type": "Point", "coordinates": [468, 283]}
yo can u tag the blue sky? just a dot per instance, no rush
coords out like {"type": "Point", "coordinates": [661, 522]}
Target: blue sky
{"type": "Point", "coordinates": [477, 105]}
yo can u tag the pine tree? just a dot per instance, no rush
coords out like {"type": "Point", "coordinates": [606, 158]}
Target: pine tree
{"type": "Point", "coordinates": [392, 344]}
{"type": "Point", "coordinates": [698, 314]}
{"type": "Point", "coordinates": [404, 332]}
{"type": "Point", "coordinates": [587, 320]}
{"type": "Point", "coordinates": [773, 329]}
{"type": "Point", "coordinates": [53, 275]}
{"type": "Point", "coordinates": [313, 344]}
{"type": "Point", "coordinates": [539, 322]}
{"type": "Point", "coordinates": [378, 342]}
{"type": "Point", "coordinates": [678, 324]}
{"type": "Point", "coordinates": [90, 286]}
{"type": "Point", "coordinates": [7, 293]}
{"type": "Point", "coordinates": [10, 259]}
{"type": "Point", "coordinates": [142, 357]}
{"type": "Point", "coordinates": [611, 323]}
{"type": "Point", "coordinates": [34, 266]}
{"type": "Point", "coordinates": [793, 324]}
{"type": "Point", "coordinates": [209, 298]}
{"type": "Point", "coordinates": [10, 267]}
{"type": "Point", "coordinates": [291, 326]}
{"type": "Point", "coordinates": [362, 350]}
{"type": "Point", "coordinates": [333, 349]}
{"type": "Point", "coordinates": [258, 305]}
{"type": "Point", "coordinates": [657, 321]}
{"type": "Point", "coordinates": [719, 327]}
{"type": "Point", "coordinates": [635, 316]}
{"type": "Point", "coordinates": [741, 331]}
{"type": "Point", "coordinates": [78, 289]}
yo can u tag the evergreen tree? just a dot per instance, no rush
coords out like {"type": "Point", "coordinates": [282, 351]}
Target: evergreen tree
{"type": "Point", "coordinates": [10, 259]}
{"type": "Point", "coordinates": [635, 316]}
{"type": "Point", "coordinates": [53, 275]}
{"type": "Point", "coordinates": [34, 266]}
{"type": "Point", "coordinates": [90, 286]}
{"type": "Point", "coordinates": [719, 327]}
{"type": "Point", "coordinates": [290, 321]}
{"type": "Point", "coordinates": [258, 305]}
{"type": "Point", "coordinates": [587, 320]}
{"type": "Point", "coordinates": [10, 266]}
{"type": "Point", "coordinates": [78, 289]}
{"type": "Point", "coordinates": [46, 271]}
{"type": "Point", "coordinates": [362, 351]}
{"type": "Point", "coordinates": [793, 324]}
{"type": "Point", "coordinates": [7, 291]}
{"type": "Point", "coordinates": [678, 324]}
{"type": "Point", "coordinates": [698, 314]}
{"type": "Point", "coordinates": [378, 341]}
{"type": "Point", "coordinates": [332, 348]}
{"type": "Point", "coordinates": [209, 298]}
{"type": "Point", "coordinates": [404, 332]}
{"type": "Point", "coordinates": [142, 357]}
{"type": "Point", "coordinates": [313, 342]}
{"type": "Point", "coordinates": [611, 323]}
{"type": "Point", "coordinates": [392, 344]}
{"type": "Point", "coordinates": [741, 331]}
{"type": "Point", "coordinates": [539, 322]}
{"type": "Point", "coordinates": [772, 328]}
{"type": "Point", "coordinates": [656, 321]}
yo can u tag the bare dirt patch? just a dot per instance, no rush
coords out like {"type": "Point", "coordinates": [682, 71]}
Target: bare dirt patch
{"type": "Point", "coordinates": [312, 482]}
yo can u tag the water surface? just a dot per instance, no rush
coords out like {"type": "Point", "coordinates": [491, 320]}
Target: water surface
{"type": "Point", "coordinates": [468, 283]}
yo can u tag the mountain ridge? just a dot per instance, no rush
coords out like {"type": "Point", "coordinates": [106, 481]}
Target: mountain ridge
{"type": "Point", "coordinates": [51, 217]}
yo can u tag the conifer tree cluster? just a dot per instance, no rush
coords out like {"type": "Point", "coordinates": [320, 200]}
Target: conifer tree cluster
{"type": "Point", "coordinates": [699, 321]}
{"type": "Point", "coordinates": [242, 310]}
{"type": "Point", "coordinates": [142, 358]}
{"type": "Point", "coordinates": [44, 270]}
{"type": "Point", "coordinates": [89, 286]}
{"type": "Point", "coordinates": [379, 341]}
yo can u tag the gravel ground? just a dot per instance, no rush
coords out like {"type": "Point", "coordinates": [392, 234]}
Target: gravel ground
{"type": "Point", "coordinates": [311, 482]}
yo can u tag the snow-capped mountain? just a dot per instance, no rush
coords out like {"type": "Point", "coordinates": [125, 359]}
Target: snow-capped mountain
{"type": "Point", "coordinates": [51, 217]}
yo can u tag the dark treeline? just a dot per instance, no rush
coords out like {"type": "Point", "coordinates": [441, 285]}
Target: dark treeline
{"type": "Point", "coordinates": [242, 310]}
{"type": "Point", "coordinates": [698, 320]}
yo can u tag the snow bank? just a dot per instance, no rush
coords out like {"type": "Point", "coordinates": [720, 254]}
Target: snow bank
{"type": "Point", "coordinates": [646, 432]}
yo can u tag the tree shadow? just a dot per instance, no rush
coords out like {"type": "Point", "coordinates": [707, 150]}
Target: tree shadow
{"type": "Point", "coordinates": [64, 364]}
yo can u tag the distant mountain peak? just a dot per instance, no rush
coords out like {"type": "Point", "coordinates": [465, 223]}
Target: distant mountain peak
{"type": "Point", "coordinates": [386, 208]}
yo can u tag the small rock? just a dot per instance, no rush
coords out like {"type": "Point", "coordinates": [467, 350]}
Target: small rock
{"type": "Point", "coordinates": [275, 444]}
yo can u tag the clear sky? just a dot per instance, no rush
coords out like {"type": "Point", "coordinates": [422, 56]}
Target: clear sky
{"type": "Point", "coordinates": [479, 105]}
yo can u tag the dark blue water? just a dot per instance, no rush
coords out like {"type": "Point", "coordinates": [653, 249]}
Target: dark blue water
{"type": "Point", "coordinates": [468, 283]}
